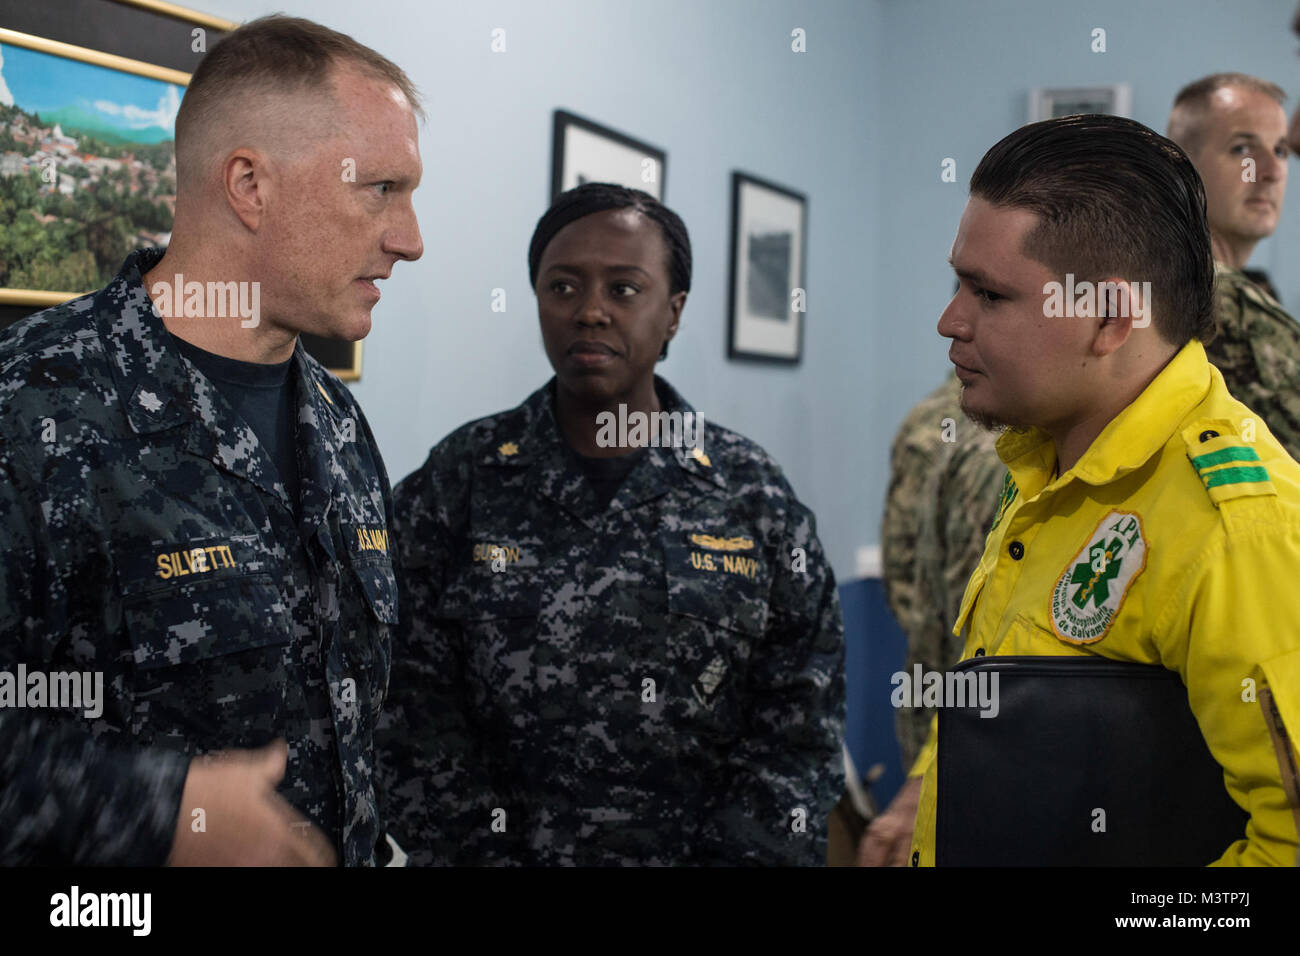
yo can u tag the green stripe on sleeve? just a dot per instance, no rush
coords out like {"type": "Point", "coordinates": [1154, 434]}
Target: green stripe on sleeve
{"type": "Point", "coordinates": [1235, 453]}
{"type": "Point", "coordinates": [1235, 476]}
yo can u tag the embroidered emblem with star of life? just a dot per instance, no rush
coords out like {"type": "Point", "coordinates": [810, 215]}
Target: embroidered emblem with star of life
{"type": "Point", "coordinates": [1089, 592]}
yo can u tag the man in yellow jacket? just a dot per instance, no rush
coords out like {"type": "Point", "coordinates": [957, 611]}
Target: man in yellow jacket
{"type": "Point", "coordinates": [1149, 516]}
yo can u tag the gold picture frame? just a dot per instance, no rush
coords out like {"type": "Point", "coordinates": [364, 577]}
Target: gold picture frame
{"type": "Point", "coordinates": [182, 13]}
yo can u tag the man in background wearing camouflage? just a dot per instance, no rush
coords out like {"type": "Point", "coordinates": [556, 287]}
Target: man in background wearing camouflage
{"type": "Point", "coordinates": [616, 648]}
{"type": "Point", "coordinates": [943, 492]}
{"type": "Point", "coordinates": [193, 509]}
{"type": "Point", "coordinates": [1233, 128]}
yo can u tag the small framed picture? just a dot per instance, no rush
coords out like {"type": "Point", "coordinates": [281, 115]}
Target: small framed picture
{"type": "Point", "coordinates": [586, 152]}
{"type": "Point", "coordinates": [769, 226]}
{"type": "Point", "coordinates": [340, 357]}
{"type": "Point", "coordinates": [1045, 104]}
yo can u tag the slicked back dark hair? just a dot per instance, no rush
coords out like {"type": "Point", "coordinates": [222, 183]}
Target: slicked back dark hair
{"type": "Point", "coordinates": [591, 198]}
{"type": "Point", "coordinates": [1115, 198]}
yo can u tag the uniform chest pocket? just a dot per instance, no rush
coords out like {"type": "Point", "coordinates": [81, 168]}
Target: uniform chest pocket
{"type": "Point", "coordinates": [491, 617]}
{"type": "Point", "coordinates": [378, 586]}
{"type": "Point", "coordinates": [211, 662]}
{"type": "Point", "coordinates": [718, 610]}
{"type": "Point", "coordinates": [483, 596]}
{"type": "Point", "coordinates": [720, 581]}
{"type": "Point", "coordinates": [494, 579]}
{"type": "Point", "coordinates": [366, 637]}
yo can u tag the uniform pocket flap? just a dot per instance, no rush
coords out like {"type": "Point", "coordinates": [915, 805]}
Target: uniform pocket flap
{"type": "Point", "coordinates": [722, 580]}
{"type": "Point", "coordinates": [196, 622]}
{"type": "Point", "coordinates": [380, 588]}
{"type": "Point", "coordinates": [484, 596]}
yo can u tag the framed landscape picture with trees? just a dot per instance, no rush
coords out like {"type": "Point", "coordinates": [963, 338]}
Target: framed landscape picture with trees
{"type": "Point", "coordinates": [87, 171]}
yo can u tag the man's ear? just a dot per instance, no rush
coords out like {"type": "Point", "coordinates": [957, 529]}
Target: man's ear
{"type": "Point", "coordinates": [1122, 306]}
{"type": "Point", "coordinates": [245, 181]}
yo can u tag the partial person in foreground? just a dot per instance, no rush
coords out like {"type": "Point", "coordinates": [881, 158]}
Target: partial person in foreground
{"type": "Point", "coordinates": [1137, 523]}
{"type": "Point", "coordinates": [193, 509]}
{"type": "Point", "coordinates": [620, 643]}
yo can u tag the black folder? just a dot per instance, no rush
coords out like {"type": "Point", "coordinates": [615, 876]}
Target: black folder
{"type": "Point", "coordinates": [1074, 736]}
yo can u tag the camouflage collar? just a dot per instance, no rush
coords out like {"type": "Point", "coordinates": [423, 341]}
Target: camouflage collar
{"type": "Point", "coordinates": [161, 391]}
{"type": "Point", "coordinates": [535, 435]}
{"type": "Point", "coordinates": [528, 438]}
{"type": "Point", "coordinates": [693, 461]}
{"type": "Point", "coordinates": [151, 377]}
{"type": "Point", "coordinates": [323, 431]}
{"type": "Point", "coordinates": [1226, 277]}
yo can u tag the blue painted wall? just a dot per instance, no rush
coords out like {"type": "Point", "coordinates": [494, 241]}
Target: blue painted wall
{"type": "Point", "coordinates": [716, 84]}
{"type": "Point", "coordinates": [861, 123]}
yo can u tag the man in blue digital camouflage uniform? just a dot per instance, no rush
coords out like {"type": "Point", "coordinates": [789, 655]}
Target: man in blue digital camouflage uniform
{"type": "Point", "coordinates": [194, 509]}
{"type": "Point", "coordinates": [620, 643]}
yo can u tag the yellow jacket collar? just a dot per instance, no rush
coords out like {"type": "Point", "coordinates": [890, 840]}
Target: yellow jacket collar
{"type": "Point", "coordinates": [1132, 436]}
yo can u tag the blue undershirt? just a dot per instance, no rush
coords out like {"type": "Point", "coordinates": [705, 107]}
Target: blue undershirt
{"type": "Point", "coordinates": [263, 396]}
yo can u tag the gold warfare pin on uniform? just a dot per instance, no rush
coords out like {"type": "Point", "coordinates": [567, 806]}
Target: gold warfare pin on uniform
{"type": "Point", "coordinates": [508, 449]}
{"type": "Point", "coordinates": [722, 544]}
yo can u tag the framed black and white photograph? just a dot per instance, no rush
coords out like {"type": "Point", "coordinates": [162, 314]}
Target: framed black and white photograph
{"type": "Point", "coordinates": [586, 152]}
{"type": "Point", "coordinates": [769, 225]}
{"type": "Point", "coordinates": [1045, 103]}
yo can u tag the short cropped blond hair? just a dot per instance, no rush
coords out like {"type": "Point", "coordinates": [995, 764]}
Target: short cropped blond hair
{"type": "Point", "coordinates": [270, 55]}
{"type": "Point", "coordinates": [1187, 118]}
